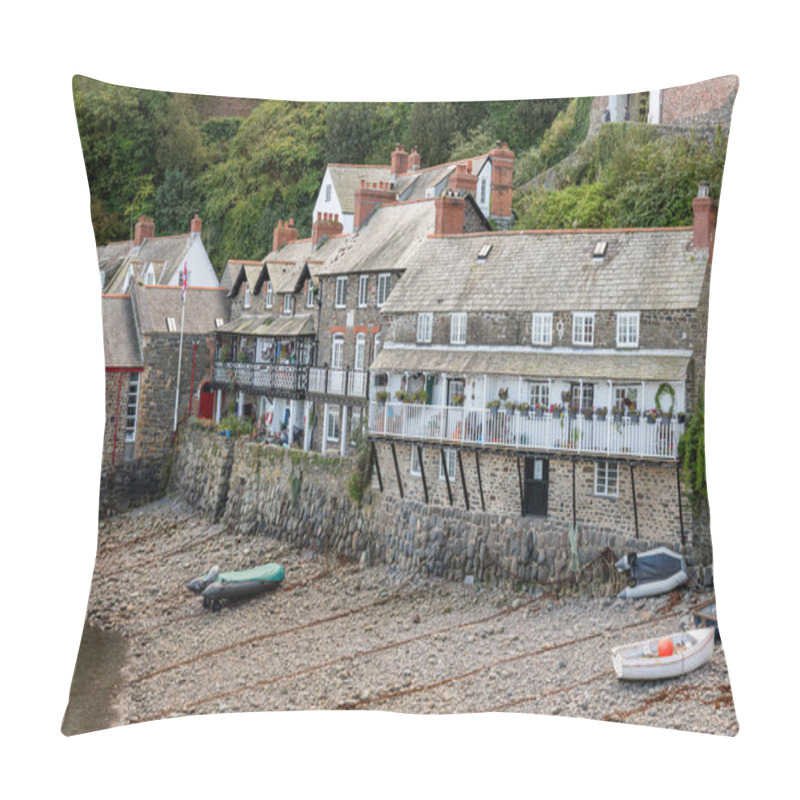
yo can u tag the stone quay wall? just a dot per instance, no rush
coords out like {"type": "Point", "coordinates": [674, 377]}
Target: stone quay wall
{"type": "Point", "coordinates": [302, 499]}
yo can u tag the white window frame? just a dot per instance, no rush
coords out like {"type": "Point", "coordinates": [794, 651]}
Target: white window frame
{"type": "Point", "coordinates": [627, 329]}
{"type": "Point", "coordinates": [424, 327]}
{"type": "Point", "coordinates": [287, 304]}
{"type": "Point", "coordinates": [384, 286]}
{"type": "Point", "coordinates": [269, 295]}
{"type": "Point", "coordinates": [450, 459]}
{"type": "Point", "coordinates": [580, 321]}
{"type": "Point", "coordinates": [310, 294]}
{"type": "Point", "coordinates": [341, 291]}
{"type": "Point", "coordinates": [376, 345]}
{"type": "Point", "coordinates": [150, 275]}
{"type": "Point", "coordinates": [458, 328]}
{"type": "Point", "coordinates": [542, 329]}
{"type": "Point", "coordinates": [539, 392]}
{"type": "Point", "coordinates": [622, 393]}
{"type": "Point", "coordinates": [132, 417]}
{"type": "Point", "coordinates": [606, 478]}
{"type": "Point", "coordinates": [246, 301]}
{"type": "Point", "coordinates": [337, 351]}
{"type": "Point", "coordinates": [327, 193]}
{"type": "Point", "coordinates": [363, 290]}
{"type": "Point", "coordinates": [333, 431]}
{"type": "Point", "coordinates": [172, 326]}
{"type": "Point", "coordinates": [360, 351]}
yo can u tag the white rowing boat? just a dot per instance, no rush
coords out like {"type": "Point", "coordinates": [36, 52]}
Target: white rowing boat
{"type": "Point", "coordinates": [641, 661]}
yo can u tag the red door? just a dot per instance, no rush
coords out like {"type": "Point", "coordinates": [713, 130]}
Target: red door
{"type": "Point", "coordinates": [206, 410]}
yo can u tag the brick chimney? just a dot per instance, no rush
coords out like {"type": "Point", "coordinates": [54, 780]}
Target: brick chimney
{"type": "Point", "coordinates": [324, 226]}
{"type": "Point", "coordinates": [414, 160]}
{"type": "Point", "coordinates": [196, 225]}
{"type": "Point", "coordinates": [399, 161]}
{"type": "Point", "coordinates": [145, 229]}
{"type": "Point", "coordinates": [369, 196]}
{"type": "Point", "coordinates": [502, 180]}
{"type": "Point", "coordinates": [705, 219]}
{"type": "Point", "coordinates": [449, 214]}
{"type": "Point", "coordinates": [462, 180]}
{"type": "Point", "coordinates": [283, 234]}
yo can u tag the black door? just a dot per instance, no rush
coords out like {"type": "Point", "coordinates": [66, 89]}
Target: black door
{"type": "Point", "coordinates": [535, 491]}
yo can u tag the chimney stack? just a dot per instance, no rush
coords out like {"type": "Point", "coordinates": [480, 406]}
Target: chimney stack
{"type": "Point", "coordinates": [369, 196]}
{"type": "Point", "coordinates": [462, 180]}
{"type": "Point", "coordinates": [502, 181]}
{"type": "Point", "coordinates": [449, 214]}
{"type": "Point", "coordinates": [399, 161]}
{"type": "Point", "coordinates": [324, 226]}
{"type": "Point", "coordinates": [283, 235]}
{"type": "Point", "coordinates": [145, 229]}
{"type": "Point", "coordinates": [414, 160]}
{"type": "Point", "coordinates": [705, 219]}
{"type": "Point", "coordinates": [196, 225]}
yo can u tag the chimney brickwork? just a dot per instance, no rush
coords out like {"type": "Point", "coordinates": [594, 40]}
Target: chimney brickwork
{"type": "Point", "coordinates": [399, 161]}
{"type": "Point", "coordinates": [325, 225]}
{"type": "Point", "coordinates": [145, 229]}
{"type": "Point", "coordinates": [462, 180]}
{"type": "Point", "coordinates": [449, 214]}
{"type": "Point", "coordinates": [502, 181]}
{"type": "Point", "coordinates": [369, 196]}
{"type": "Point", "coordinates": [283, 234]}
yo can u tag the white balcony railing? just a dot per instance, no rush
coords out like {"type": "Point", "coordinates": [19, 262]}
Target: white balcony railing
{"type": "Point", "coordinates": [339, 382]}
{"type": "Point", "coordinates": [489, 428]}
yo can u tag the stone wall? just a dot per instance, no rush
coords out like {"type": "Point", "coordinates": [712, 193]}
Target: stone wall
{"type": "Point", "coordinates": [302, 499]}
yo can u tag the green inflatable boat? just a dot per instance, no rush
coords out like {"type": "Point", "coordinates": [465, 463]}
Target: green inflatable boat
{"type": "Point", "coordinates": [242, 584]}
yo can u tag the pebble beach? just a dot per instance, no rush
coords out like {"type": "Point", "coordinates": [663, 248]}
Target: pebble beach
{"type": "Point", "coordinates": [339, 635]}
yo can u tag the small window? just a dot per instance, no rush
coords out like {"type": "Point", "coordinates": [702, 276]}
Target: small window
{"type": "Point", "coordinates": [583, 328]}
{"type": "Point", "coordinates": [132, 407]}
{"type": "Point", "coordinates": [333, 424]}
{"type": "Point", "coordinates": [269, 294]}
{"type": "Point", "coordinates": [171, 325]}
{"type": "Point", "coordinates": [415, 465]}
{"type": "Point", "coordinates": [483, 254]}
{"type": "Point", "coordinates": [150, 275]}
{"type": "Point", "coordinates": [383, 288]}
{"type": "Point", "coordinates": [542, 329]}
{"type": "Point", "coordinates": [337, 351]}
{"type": "Point", "coordinates": [327, 193]}
{"type": "Point", "coordinates": [341, 291]}
{"type": "Point", "coordinates": [626, 396]}
{"type": "Point", "coordinates": [363, 287]}
{"type": "Point", "coordinates": [606, 478]}
{"type": "Point", "coordinates": [424, 327]}
{"type": "Point", "coordinates": [449, 460]}
{"type": "Point", "coordinates": [287, 304]}
{"type": "Point", "coordinates": [376, 346]}
{"type": "Point", "coordinates": [310, 294]}
{"type": "Point", "coordinates": [458, 328]}
{"type": "Point", "coordinates": [584, 399]}
{"type": "Point", "coordinates": [483, 191]}
{"type": "Point", "coordinates": [219, 322]}
{"type": "Point", "coordinates": [361, 346]}
{"type": "Point", "coordinates": [628, 329]}
{"type": "Point", "coordinates": [599, 251]}
{"type": "Point", "coordinates": [246, 296]}
{"type": "Point", "coordinates": [540, 395]}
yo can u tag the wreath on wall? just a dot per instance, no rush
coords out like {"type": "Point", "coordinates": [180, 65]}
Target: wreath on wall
{"type": "Point", "coordinates": [665, 389]}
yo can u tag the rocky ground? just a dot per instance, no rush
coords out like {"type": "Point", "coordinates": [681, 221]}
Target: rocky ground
{"type": "Point", "coordinates": [340, 635]}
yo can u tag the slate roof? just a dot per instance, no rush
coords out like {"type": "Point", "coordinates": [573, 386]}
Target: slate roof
{"type": "Point", "coordinates": [120, 341]}
{"type": "Point", "coordinates": [273, 325]}
{"type": "Point", "coordinates": [414, 185]}
{"type": "Point", "coordinates": [346, 178]}
{"type": "Point", "coordinates": [203, 307]}
{"type": "Point", "coordinates": [586, 365]}
{"type": "Point", "coordinates": [552, 270]}
{"type": "Point", "coordinates": [391, 236]}
{"type": "Point", "coordinates": [167, 254]}
{"type": "Point", "coordinates": [285, 266]}
{"type": "Point", "coordinates": [233, 273]}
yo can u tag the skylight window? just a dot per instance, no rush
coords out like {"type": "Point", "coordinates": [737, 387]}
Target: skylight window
{"type": "Point", "coordinates": [484, 252]}
{"type": "Point", "coordinates": [599, 251]}
{"type": "Point", "coordinates": [171, 325]}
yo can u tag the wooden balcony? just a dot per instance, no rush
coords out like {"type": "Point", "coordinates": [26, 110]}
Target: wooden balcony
{"type": "Point", "coordinates": [348, 383]}
{"type": "Point", "coordinates": [272, 380]}
{"type": "Point", "coordinates": [628, 436]}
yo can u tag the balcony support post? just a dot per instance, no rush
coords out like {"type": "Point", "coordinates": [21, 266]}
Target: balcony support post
{"type": "Point", "coordinates": [376, 465]}
{"type": "Point", "coordinates": [480, 482]}
{"type": "Point", "coordinates": [635, 510]}
{"type": "Point", "coordinates": [422, 472]}
{"type": "Point", "coordinates": [307, 411]}
{"type": "Point", "coordinates": [325, 430]}
{"type": "Point", "coordinates": [446, 476]}
{"type": "Point", "coordinates": [521, 489]}
{"type": "Point", "coordinates": [574, 503]}
{"type": "Point", "coordinates": [343, 442]}
{"type": "Point", "coordinates": [397, 471]}
{"type": "Point", "coordinates": [680, 503]}
{"type": "Point", "coordinates": [463, 480]}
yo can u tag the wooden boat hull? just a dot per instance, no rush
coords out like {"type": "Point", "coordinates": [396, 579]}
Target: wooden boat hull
{"type": "Point", "coordinates": [640, 661]}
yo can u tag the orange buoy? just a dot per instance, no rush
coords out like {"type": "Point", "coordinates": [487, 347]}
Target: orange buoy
{"type": "Point", "coordinates": [665, 647]}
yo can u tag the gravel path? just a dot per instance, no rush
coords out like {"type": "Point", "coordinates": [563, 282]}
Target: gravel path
{"type": "Point", "coordinates": [338, 636]}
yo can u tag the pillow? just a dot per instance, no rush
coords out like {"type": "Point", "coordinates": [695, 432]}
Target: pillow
{"type": "Point", "coordinates": [408, 426]}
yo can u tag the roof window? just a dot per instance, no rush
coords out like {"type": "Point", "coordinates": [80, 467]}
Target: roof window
{"type": "Point", "coordinates": [599, 252]}
{"type": "Point", "coordinates": [484, 252]}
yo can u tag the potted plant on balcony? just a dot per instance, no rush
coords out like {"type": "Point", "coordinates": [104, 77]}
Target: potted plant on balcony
{"type": "Point", "coordinates": [457, 399]}
{"type": "Point", "coordinates": [633, 415]}
{"type": "Point", "coordinates": [493, 405]}
{"type": "Point", "coordinates": [573, 410]}
{"type": "Point", "coordinates": [650, 416]}
{"type": "Point", "coordinates": [556, 409]}
{"type": "Point", "coordinates": [588, 413]}
{"type": "Point", "coordinates": [511, 407]}
{"type": "Point", "coordinates": [503, 394]}
{"type": "Point", "coordinates": [225, 353]}
{"type": "Point", "coordinates": [401, 396]}
{"type": "Point", "coordinates": [666, 417]}
{"type": "Point", "coordinates": [524, 408]}
{"type": "Point", "coordinates": [616, 413]}
{"type": "Point", "coordinates": [241, 356]}
{"type": "Point", "coordinates": [540, 408]}
{"type": "Point", "coordinates": [601, 413]}
{"type": "Point", "coordinates": [382, 396]}
{"type": "Point", "coordinates": [420, 396]}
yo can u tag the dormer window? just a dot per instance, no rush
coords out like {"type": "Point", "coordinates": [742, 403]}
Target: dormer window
{"type": "Point", "coordinates": [269, 294]}
{"type": "Point", "coordinates": [583, 328]}
{"type": "Point", "coordinates": [327, 193]}
{"type": "Point", "coordinates": [246, 296]}
{"type": "Point", "coordinates": [542, 329]}
{"type": "Point", "coordinates": [341, 291]}
{"type": "Point", "coordinates": [150, 275]}
{"type": "Point", "coordinates": [383, 288]}
{"type": "Point", "coordinates": [628, 329]}
{"type": "Point", "coordinates": [310, 294]}
{"type": "Point", "coordinates": [458, 328]}
{"type": "Point", "coordinates": [287, 304]}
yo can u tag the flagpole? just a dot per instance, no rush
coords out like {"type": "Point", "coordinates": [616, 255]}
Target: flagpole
{"type": "Point", "coordinates": [180, 348]}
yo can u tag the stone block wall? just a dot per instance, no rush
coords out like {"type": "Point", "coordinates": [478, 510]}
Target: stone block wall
{"type": "Point", "coordinates": [302, 499]}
